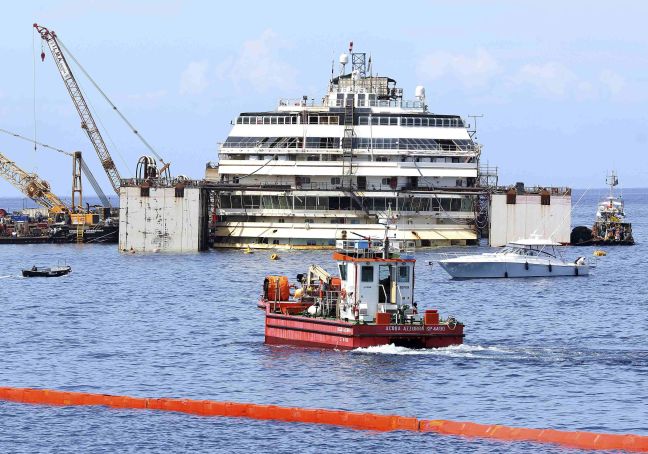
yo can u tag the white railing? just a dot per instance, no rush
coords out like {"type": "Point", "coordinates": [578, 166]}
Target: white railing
{"type": "Point", "coordinates": [414, 149]}
{"type": "Point", "coordinates": [393, 103]}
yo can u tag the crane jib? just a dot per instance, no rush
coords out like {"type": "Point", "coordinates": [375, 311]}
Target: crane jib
{"type": "Point", "coordinates": [87, 121]}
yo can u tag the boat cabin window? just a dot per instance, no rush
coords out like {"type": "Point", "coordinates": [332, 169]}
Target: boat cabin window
{"type": "Point", "coordinates": [403, 274]}
{"type": "Point", "coordinates": [343, 271]}
{"type": "Point", "coordinates": [361, 100]}
{"type": "Point", "coordinates": [367, 273]}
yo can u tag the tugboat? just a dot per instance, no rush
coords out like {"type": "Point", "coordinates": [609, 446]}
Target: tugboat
{"type": "Point", "coordinates": [370, 303]}
{"type": "Point", "coordinates": [610, 227]}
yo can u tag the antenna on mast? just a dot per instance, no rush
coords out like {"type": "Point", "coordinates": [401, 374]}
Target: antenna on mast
{"type": "Point", "coordinates": [612, 180]}
{"type": "Point", "coordinates": [473, 131]}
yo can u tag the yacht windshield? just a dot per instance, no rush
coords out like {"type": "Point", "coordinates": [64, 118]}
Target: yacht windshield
{"type": "Point", "coordinates": [527, 251]}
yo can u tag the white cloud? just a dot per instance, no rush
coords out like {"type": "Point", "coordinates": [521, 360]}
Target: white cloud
{"type": "Point", "coordinates": [258, 64]}
{"type": "Point", "coordinates": [193, 79]}
{"type": "Point", "coordinates": [612, 81]}
{"type": "Point", "coordinates": [475, 70]}
{"type": "Point", "coordinates": [551, 79]}
{"type": "Point", "coordinates": [586, 90]}
{"type": "Point", "coordinates": [148, 96]}
{"type": "Point", "coordinates": [499, 79]}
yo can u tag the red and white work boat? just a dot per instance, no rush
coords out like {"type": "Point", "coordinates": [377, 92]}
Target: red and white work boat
{"type": "Point", "coordinates": [370, 303]}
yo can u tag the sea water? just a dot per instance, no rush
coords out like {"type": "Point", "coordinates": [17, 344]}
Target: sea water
{"type": "Point", "coordinates": [566, 353]}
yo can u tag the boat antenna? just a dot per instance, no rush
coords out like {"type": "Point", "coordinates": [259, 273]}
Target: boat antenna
{"type": "Point", "coordinates": [473, 131]}
{"type": "Point", "coordinates": [612, 180]}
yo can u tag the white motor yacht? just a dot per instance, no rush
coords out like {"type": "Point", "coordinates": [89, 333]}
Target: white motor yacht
{"type": "Point", "coordinates": [522, 258]}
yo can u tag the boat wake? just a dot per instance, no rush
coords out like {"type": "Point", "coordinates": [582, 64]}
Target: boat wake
{"type": "Point", "coordinates": [463, 350]}
{"type": "Point", "coordinates": [527, 355]}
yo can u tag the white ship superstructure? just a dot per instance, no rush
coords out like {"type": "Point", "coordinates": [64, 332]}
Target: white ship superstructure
{"type": "Point", "coordinates": [309, 173]}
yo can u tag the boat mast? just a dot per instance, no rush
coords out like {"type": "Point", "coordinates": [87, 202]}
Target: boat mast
{"type": "Point", "coordinates": [612, 180]}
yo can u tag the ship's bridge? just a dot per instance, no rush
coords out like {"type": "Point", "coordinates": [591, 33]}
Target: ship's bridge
{"type": "Point", "coordinates": [359, 89]}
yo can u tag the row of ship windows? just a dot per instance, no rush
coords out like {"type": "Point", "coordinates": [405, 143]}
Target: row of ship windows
{"type": "Point", "coordinates": [271, 202]}
{"type": "Point", "coordinates": [411, 121]}
{"type": "Point", "coordinates": [391, 182]}
{"type": "Point", "coordinates": [363, 120]}
{"type": "Point", "coordinates": [287, 120]}
{"type": "Point", "coordinates": [357, 142]}
{"type": "Point", "coordinates": [334, 158]}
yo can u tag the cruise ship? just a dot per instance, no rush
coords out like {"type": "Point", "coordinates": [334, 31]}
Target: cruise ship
{"type": "Point", "coordinates": [363, 162]}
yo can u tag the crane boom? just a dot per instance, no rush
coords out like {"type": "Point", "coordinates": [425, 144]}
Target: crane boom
{"type": "Point", "coordinates": [86, 170]}
{"type": "Point", "coordinates": [30, 184]}
{"type": "Point", "coordinates": [87, 121]}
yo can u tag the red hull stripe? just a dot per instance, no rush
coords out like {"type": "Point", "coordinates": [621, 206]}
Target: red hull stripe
{"type": "Point", "coordinates": [315, 321]}
{"type": "Point", "coordinates": [394, 335]}
{"type": "Point", "coordinates": [307, 330]}
{"type": "Point", "coordinates": [365, 421]}
{"type": "Point", "coordinates": [355, 343]}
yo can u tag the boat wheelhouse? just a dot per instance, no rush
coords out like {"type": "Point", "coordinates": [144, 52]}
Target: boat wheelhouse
{"type": "Point", "coordinates": [306, 173]}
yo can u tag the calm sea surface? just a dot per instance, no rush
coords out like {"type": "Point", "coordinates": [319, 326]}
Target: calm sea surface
{"type": "Point", "coordinates": [565, 353]}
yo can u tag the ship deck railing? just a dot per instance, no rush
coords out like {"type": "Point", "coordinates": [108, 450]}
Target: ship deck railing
{"type": "Point", "coordinates": [374, 248]}
{"type": "Point", "coordinates": [393, 103]}
{"type": "Point", "coordinates": [324, 186]}
{"type": "Point", "coordinates": [412, 149]}
{"type": "Point", "coordinates": [161, 183]}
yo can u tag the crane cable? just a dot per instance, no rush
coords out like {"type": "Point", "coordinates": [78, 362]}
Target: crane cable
{"type": "Point", "coordinates": [18, 136]}
{"type": "Point", "coordinates": [34, 82]}
{"type": "Point", "coordinates": [84, 167]}
{"type": "Point", "coordinates": [255, 171]}
{"type": "Point", "coordinates": [133, 129]}
{"type": "Point", "coordinates": [100, 125]}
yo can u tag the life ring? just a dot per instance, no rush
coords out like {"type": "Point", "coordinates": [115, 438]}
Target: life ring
{"type": "Point", "coordinates": [274, 257]}
{"type": "Point", "coordinates": [343, 294]}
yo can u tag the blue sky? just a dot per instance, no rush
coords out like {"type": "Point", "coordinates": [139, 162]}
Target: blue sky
{"type": "Point", "coordinates": [562, 85]}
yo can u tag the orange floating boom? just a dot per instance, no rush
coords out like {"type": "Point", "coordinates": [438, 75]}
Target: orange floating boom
{"type": "Point", "coordinates": [362, 421]}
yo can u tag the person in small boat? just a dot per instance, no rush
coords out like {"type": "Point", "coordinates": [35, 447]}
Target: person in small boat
{"type": "Point", "coordinates": [34, 268]}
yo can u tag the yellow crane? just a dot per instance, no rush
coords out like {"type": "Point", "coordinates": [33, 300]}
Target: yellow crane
{"type": "Point", "coordinates": [31, 185]}
{"type": "Point", "coordinates": [78, 165]}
